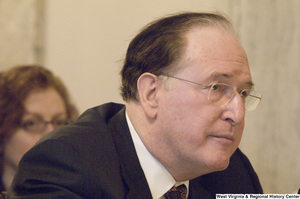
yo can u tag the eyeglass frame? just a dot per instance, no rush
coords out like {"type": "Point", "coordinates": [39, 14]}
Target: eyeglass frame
{"type": "Point", "coordinates": [251, 91]}
{"type": "Point", "coordinates": [23, 124]}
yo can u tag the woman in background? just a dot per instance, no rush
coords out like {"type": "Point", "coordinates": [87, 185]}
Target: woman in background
{"type": "Point", "coordinates": [33, 102]}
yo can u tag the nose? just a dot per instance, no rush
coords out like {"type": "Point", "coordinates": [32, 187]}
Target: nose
{"type": "Point", "coordinates": [234, 110]}
{"type": "Point", "coordinates": [49, 127]}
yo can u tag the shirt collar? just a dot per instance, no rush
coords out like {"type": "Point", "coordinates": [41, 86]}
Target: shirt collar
{"type": "Point", "coordinates": [157, 176]}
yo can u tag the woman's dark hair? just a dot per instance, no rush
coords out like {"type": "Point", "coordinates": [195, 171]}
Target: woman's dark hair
{"type": "Point", "coordinates": [15, 86]}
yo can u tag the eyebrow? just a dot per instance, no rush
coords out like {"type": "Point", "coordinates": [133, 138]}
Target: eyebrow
{"type": "Point", "coordinates": [217, 75]}
{"type": "Point", "coordinates": [30, 114]}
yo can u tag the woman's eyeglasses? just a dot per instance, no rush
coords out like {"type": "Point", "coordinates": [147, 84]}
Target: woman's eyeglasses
{"type": "Point", "coordinates": [36, 124]}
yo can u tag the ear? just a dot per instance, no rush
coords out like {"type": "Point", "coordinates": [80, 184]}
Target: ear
{"type": "Point", "coordinates": [147, 86]}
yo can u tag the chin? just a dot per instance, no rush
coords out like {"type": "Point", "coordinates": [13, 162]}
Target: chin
{"type": "Point", "coordinates": [223, 166]}
{"type": "Point", "coordinates": [220, 163]}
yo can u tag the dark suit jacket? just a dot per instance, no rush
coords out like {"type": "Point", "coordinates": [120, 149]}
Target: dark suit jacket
{"type": "Point", "coordinates": [1, 184]}
{"type": "Point", "coordinates": [95, 158]}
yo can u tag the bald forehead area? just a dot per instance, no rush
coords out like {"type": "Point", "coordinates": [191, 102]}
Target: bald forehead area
{"type": "Point", "coordinates": [213, 54]}
{"type": "Point", "coordinates": [214, 43]}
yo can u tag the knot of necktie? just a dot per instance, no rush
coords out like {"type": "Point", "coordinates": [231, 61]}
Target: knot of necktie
{"type": "Point", "coordinates": [176, 192]}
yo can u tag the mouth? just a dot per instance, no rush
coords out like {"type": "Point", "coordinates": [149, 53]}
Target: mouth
{"type": "Point", "coordinates": [225, 140]}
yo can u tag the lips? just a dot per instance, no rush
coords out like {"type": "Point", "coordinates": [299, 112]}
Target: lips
{"type": "Point", "coordinates": [224, 139]}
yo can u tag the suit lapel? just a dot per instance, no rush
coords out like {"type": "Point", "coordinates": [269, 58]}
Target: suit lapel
{"type": "Point", "coordinates": [196, 190]}
{"type": "Point", "coordinates": [131, 169]}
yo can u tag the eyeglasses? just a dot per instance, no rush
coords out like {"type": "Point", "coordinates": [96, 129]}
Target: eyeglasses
{"type": "Point", "coordinates": [223, 93]}
{"type": "Point", "coordinates": [36, 124]}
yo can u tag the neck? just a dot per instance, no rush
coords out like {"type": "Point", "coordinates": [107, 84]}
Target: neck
{"type": "Point", "coordinates": [153, 139]}
{"type": "Point", "coordinates": [157, 143]}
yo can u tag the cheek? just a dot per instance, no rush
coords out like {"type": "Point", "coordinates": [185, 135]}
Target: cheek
{"type": "Point", "coordinates": [18, 144]}
{"type": "Point", "coordinates": [239, 133]}
{"type": "Point", "coordinates": [188, 120]}
{"type": "Point", "coordinates": [187, 117]}
{"type": "Point", "coordinates": [184, 104]}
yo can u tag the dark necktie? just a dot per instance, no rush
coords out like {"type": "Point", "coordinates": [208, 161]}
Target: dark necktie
{"type": "Point", "coordinates": [176, 192]}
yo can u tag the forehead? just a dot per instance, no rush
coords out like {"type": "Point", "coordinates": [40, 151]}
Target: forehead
{"type": "Point", "coordinates": [205, 40]}
{"type": "Point", "coordinates": [213, 50]}
{"type": "Point", "coordinates": [44, 102]}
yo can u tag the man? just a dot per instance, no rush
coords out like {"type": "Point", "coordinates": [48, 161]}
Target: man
{"type": "Point", "coordinates": [187, 84]}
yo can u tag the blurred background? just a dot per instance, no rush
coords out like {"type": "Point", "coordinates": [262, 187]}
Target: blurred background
{"type": "Point", "coordinates": [84, 43]}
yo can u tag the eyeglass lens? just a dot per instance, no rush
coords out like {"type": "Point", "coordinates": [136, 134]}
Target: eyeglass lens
{"type": "Point", "coordinates": [223, 93]}
{"type": "Point", "coordinates": [37, 124]}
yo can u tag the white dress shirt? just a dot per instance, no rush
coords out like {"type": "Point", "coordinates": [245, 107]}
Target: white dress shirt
{"type": "Point", "coordinates": [158, 177]}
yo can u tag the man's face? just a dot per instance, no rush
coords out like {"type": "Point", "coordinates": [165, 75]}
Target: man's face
{"type": "Point", "coordinates": [199, 134]}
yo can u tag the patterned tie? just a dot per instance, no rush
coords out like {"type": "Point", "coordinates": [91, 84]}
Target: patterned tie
{"type": "Point", "coordinates": [176, 192]}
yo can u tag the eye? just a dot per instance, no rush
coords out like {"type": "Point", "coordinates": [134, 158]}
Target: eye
{"type": "Point", "coordinates": [220, 88]}
{"type": "Point", "coordinates": [215, 87]}
{"type": "Point", "coordinates": [29, 123]}
{"type": "Point", "coordinates": [244, 93]}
